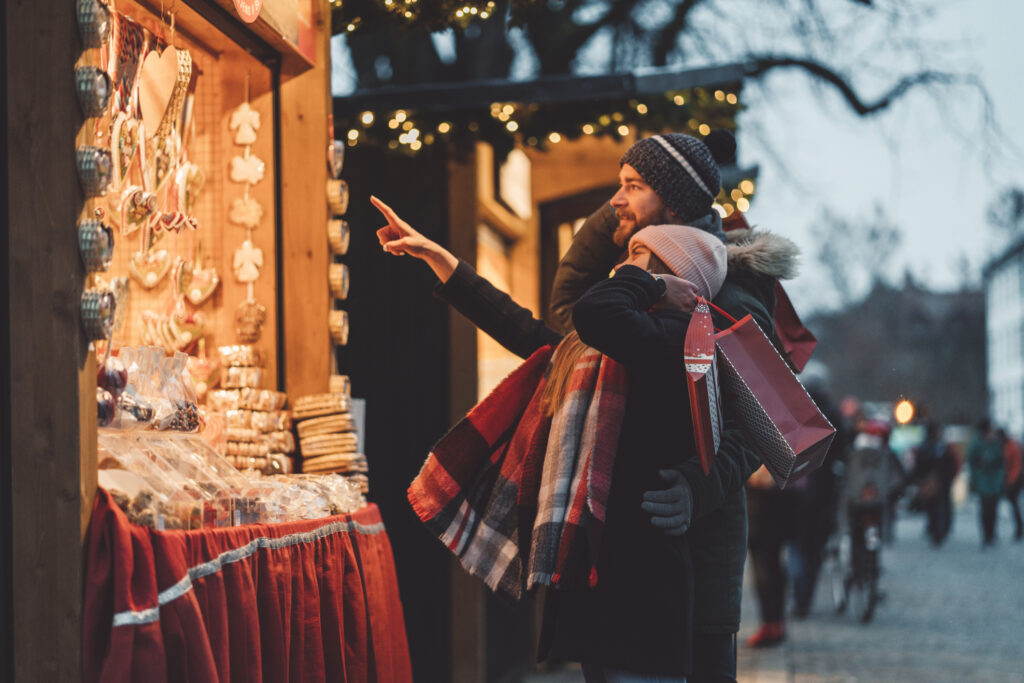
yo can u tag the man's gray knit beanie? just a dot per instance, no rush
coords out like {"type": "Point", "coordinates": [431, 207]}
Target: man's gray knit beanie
{"type": "Point", "coordinates": [680, 169]}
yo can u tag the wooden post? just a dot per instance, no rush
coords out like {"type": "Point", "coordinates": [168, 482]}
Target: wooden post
{"type": "Point", "coordinates": [304, 103]}
{"type": "Point", "coordinates": [468, 613]}
{"type": "Point", "coordinates": [52, 373]}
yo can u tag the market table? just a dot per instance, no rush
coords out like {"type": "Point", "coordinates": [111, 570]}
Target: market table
{"type": "Point", "coordinates": [314, 600]}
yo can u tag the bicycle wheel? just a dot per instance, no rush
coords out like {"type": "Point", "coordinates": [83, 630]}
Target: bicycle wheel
{"type": "Point", "coordinates": [834, 572]}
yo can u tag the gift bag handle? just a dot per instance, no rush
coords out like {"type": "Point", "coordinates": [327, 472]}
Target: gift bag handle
{"type": "Point", "coordinates": [728, 317]}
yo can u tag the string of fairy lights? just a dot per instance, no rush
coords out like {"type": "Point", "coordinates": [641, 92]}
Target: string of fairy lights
{"type": "Point", "coordinates": [504, 125]}
{"type": "Point", "coordinates": [348, 16]}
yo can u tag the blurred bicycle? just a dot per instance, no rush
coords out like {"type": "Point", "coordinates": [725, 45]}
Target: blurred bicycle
{"type": "Point", "coordinates": [871, 478]}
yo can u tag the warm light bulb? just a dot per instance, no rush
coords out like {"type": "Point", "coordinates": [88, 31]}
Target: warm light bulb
{"type": "Point", "coordinates": [904, 412]}
{"type": "Point", "coordinates": [747, 186]}
{"type": "Point", "coordinates": [704, 129]}
{"type": "Point", "coordinates": [444, 127]}
{"type": "Point", "coordinates": [353, 134]}
{"type": "Point", "coordinates": [400, 116]}
{"type": "Point", "coordinates": [743, 204]}
{"type": "Point", "coordinates": [555, 137]}
{"type": "Point", "coordinates": [641, 108]}
{"type": "Point", "coordinates": [679, 100]}
{"type": "Point", "coordinates": [512, 126]}
{"type": "Point", "coordinates": [588, 129]}
{"type": "Point", "coordinates": [367, 118]}
{"type": "Point", "coordinates": [623, 130]}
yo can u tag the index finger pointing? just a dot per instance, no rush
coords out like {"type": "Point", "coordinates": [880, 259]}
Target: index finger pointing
{"type": "Point", "coordinates": [388, 212]}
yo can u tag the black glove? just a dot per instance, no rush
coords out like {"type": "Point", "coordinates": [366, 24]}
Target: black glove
{"type": "Point", "coordinates": [671, 509]}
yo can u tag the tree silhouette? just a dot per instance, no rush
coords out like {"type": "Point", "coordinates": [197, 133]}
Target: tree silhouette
{"type": "Point", "coordinates": [854, 47]}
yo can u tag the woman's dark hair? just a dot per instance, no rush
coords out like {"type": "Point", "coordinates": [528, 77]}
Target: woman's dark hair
{"type": "Point", "coordinates": [569, 352]}
{"type": "Point", "coordinates": [656, 265]}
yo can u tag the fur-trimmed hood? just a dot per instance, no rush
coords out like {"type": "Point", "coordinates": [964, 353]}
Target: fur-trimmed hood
{"type": "Point", "coordinates": [763, 253]}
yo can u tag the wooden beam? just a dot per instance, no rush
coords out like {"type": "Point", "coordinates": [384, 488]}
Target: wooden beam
{"type": "Point", "coordinates": [568, 88]}
{"type": "Point", "coordinates": [468, 615]}
{"type": "Point", "coordinates": [52, 375]}
{"type": "Point", "coordinates": [304, 107]}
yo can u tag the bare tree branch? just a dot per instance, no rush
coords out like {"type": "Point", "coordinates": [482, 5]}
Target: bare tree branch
{"type": "Point", "coordinates": [668, 35]}
{"type": "Point", "coordinates": [762, 64]}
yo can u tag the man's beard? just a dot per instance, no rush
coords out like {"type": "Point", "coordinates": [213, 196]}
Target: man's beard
{"type": "Point", "coordinates": [625, 230]}
{"type": "Point", "coordinates": [629, 225]}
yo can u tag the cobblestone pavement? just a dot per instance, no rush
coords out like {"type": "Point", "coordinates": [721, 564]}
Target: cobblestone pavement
{"type": "Point", "coordinates": [954, 613]}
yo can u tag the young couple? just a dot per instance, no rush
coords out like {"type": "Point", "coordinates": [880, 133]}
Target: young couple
{"type": "Point", "coordinates": [666, 604]}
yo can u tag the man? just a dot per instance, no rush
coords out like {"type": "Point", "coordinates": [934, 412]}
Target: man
{"type": "Point", "coordinates": [987, 471]}
{"type": "Point", "coordinates": [675, 178]}
{"type": "Point", "coordinates": [1012, 456]}
{"type": "Point", "coordinates": [935, 468]}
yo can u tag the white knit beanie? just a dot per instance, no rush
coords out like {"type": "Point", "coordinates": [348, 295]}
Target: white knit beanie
{"type": "Point", "coordinates": [690, 253]}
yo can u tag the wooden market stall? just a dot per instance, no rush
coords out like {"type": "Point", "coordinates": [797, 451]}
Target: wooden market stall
{"type": "Point", "coordinates": [269, 60]}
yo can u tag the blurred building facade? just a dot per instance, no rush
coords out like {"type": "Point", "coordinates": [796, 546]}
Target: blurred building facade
{"type": "Point", "coordinates": [1004, 337]}
{"type": "Point", "coordinates": [909, 342]}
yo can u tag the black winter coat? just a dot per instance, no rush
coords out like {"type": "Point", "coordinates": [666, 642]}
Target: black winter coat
{"type": "Point", "coordinates": [638, 618]}
{"type": "Point", "coordinates": [718, 536]}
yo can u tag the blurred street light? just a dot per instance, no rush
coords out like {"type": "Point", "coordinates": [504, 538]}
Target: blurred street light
{"type": "Point", "coordinates": [904, 412]}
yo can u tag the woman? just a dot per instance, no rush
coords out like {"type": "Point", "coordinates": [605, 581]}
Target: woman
{"type": "Point", "coordinates": [636, 621]}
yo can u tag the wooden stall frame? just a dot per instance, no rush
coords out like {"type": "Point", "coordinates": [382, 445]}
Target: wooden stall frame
{"type": "Point", "coordinates": [48, 426]}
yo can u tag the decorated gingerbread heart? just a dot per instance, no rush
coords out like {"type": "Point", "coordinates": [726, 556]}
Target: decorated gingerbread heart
{"type": "Point", "coordinates": [125, 134]}
{"type": "Point", "coordinates": [189, 182]}
{"type": "Point", "coordinates": [163, 83]}
{"type": "Point", "coordinates": [149, 267]}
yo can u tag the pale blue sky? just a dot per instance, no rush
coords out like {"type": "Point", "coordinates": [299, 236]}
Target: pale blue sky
{"type": "Point", "coordinates": [926, 168]}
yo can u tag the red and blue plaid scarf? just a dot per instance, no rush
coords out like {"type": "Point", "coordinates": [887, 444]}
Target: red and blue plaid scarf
{"type": "Point", "coordinates": [508, 487]}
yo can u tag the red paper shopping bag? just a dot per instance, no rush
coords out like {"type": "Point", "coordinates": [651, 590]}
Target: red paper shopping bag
{"type": "Point", "coordinates": [779, 417]}
{"type": "Point", "coordinates": [702, 383]}
{"type": "Point", "coordinates": [797, 341]}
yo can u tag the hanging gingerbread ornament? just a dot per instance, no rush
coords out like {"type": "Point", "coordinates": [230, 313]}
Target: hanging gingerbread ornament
{"type": "Point", "coordinates": [203, 281]}
{"type": "Point", "coordinates": [250, 316]}
{"type": "Point", "coordinates": [245, 121]}
{"type": "Point", "coordinates": [247, 169]}
{"type": "Point", "coordinates": [246, 212]}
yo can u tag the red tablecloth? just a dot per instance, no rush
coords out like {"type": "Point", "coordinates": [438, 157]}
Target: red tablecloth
{"type": "Point", "coordinates": [305, 601]}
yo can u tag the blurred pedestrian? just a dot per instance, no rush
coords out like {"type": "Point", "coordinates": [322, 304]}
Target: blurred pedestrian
{"type": "Point", "coordinates": [935, 467]}
{"type": "Point", "coordinates": [817, 509]}
{"type": "Point", "coordinates": [772, 515]}
{"type": "Point", "coordinates": [987, 469]}
{"type": "Point", "coordinates": [1012, 457]}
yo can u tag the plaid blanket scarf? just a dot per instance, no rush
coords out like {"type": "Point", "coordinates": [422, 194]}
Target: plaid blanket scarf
{"type": "Point", "coordinates": [502, 498]}
{"type": "Point", "coordinates": [576, 480]}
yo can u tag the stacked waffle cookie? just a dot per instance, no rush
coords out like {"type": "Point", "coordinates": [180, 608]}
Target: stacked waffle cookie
{"type": "Point", "coordinates": [257, 427]}
{"type": "Point", "coordinates": [328, 439]}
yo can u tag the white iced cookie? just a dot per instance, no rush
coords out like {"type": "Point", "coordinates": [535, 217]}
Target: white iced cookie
{"type": "Point", "coordinates": [247, 169]}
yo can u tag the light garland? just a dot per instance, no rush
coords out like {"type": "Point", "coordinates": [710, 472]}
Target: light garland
{"type": "Point", "coordinates": [505, 124]}
{"type": "Point", "coordinates": [348, 16]}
